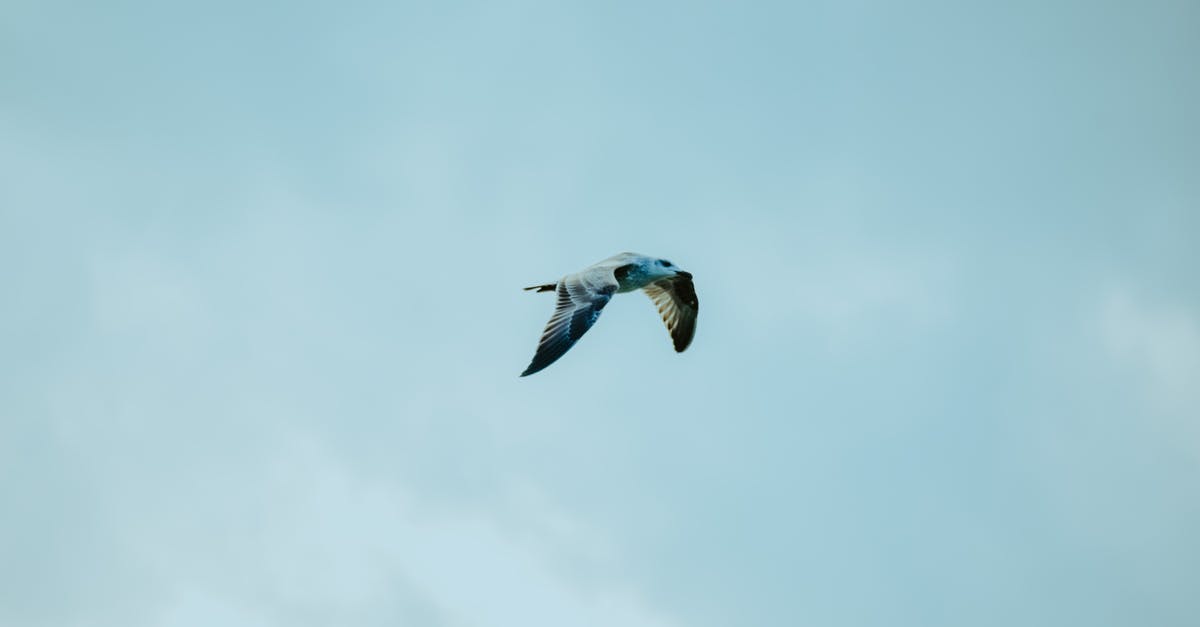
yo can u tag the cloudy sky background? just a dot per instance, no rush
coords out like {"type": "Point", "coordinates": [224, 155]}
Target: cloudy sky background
{"type": "Point", "coordinates": [262, 317]}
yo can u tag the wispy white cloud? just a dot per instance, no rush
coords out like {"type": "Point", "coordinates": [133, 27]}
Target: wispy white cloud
{"type": "Point", "coordinates": [335, 546]}
{"type": "Point", "coordinates": [1161, 342]}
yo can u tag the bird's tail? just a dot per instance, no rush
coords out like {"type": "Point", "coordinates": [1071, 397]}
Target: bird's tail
{"type": "Point", "coordinates": [549, 287]}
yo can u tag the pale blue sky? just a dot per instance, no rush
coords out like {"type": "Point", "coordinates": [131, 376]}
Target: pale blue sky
{"type": "Point", "coordinates": [263, 319]}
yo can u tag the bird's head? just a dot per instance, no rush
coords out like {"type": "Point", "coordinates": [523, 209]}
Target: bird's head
{"type": "Point", "coordinates": [663, 269]}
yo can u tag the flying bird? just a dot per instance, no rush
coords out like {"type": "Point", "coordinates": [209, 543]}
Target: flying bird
{"type": "Point", "coordinates": [582, 295]}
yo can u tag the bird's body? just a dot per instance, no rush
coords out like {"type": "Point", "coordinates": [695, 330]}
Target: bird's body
{"type": "Point", "coordinates": [582, 295]}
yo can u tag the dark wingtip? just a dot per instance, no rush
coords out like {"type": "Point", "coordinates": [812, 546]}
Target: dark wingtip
{"type": "Point", "coordinates": [683, 336]}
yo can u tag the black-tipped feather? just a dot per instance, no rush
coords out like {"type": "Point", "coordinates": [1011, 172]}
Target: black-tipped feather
{"type": "Point", "coordinates": [677, 304]}
{"type": "Point", "coordinates": [577, 309]}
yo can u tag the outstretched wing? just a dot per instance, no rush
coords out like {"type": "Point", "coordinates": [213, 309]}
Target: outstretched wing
{"type": "Point", "coordinates": [677, 304]}
{"type": "Point", "coordinates": [580, 298]}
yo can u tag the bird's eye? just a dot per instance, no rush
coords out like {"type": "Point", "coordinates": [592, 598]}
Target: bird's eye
{"type": "Point", "coordinates": [665, 263]}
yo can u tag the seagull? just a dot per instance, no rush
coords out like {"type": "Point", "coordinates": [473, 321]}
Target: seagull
{"type": "Point", "coordinates": [582, 295]}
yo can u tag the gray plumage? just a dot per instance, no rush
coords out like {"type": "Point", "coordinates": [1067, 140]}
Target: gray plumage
{"type": "Point", "coordinates": [583, 295]}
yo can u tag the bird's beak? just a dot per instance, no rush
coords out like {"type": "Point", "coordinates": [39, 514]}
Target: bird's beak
{"type": "Point", "coordinates": [686, 275]}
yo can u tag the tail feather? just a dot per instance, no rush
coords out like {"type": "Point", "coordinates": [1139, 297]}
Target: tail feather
{"type": "Point", "coordinates": [549, 287]}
